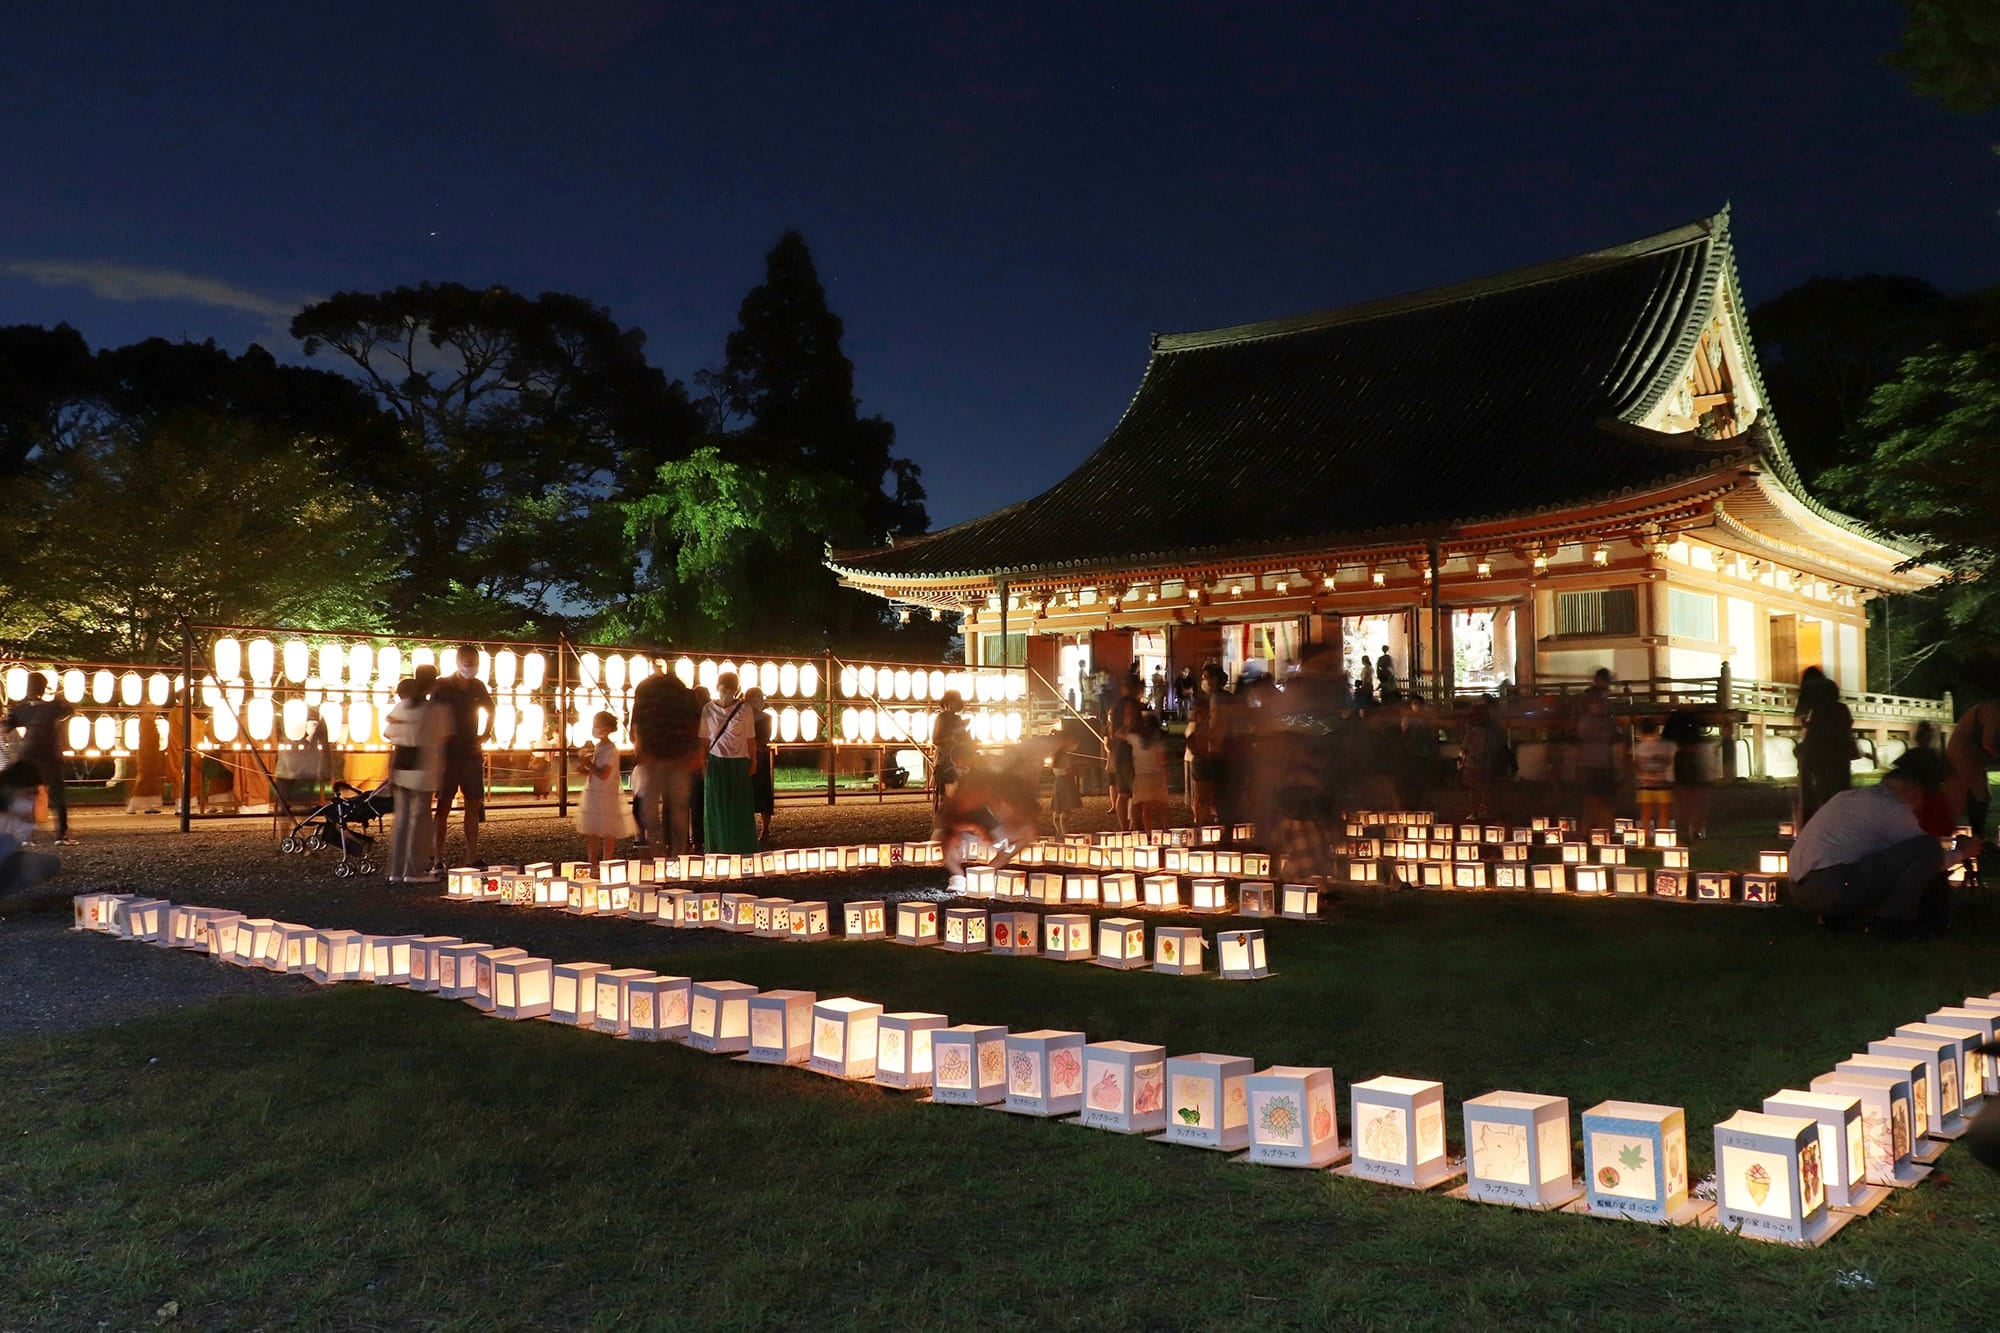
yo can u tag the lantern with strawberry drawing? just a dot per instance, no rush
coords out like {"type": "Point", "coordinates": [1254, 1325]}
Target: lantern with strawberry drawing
{"type": "Point", "coordinates": [1015, 934]}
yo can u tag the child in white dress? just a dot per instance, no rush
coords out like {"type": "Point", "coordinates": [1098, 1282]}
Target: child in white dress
{"type": "Point", "coordinates": [604, 816]}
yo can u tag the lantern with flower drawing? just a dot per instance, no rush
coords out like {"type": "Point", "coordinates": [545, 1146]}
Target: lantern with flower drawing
{"type": "Point", "coordinates": [708, 903]}
{"type": "Point", "coordinates": [424, 951]}
{"type": "Point", "coordinates": [1842, 1144]}
{"type": "Point", "coordinates": [1770, 1179]}
{"type": "Point", "coordinates": [1044, 1072]}
{"type": "Point", "coordinates": [678, 909]}
{"type": "Point", "coordinates": [1121, 942]}
{"type": "Point", "coordinates": [1015, 934]}
{"type": "Point", "coordinates": [1163, 891]}
{"type": "Point", "coordinates": [917, 923]}
{"type": "Point", "coordinates": [1177, 950]}
{"type": "Point", "coordinates": [573, 993]}
{"type": "Point", "coordinates": [1125, 1087]}
{"type": "Point", "coordinates": [1292, 1121]}
{"type": "Point", "coordinates": [781, 1027]}
{"type": "Point", "coordinates": [656, 1008]}
{"type": "Point", "coordinates": [1207, 1103]}
{"type": "Point", "coordinates": [613, 1003]}
{"type": "Point", "coordinates": [1517, 1150]}
{"type": "Point", "coordinates": [719, 1016]}
{"type": "Point", "coordinates": [465, 882]}
{"type": "Point", "coordinates": [523, 986]}
{"type": "Point", "coordinates": [458, 969]}
{"type": "Point", "coordinates": [1635, 1162]}
{"type": "Point", "coordinates": [1887, 1123]}
{"type": "Point", "coordinates": [843, 1041]}
{"type": "Point", "coordinates": [1066, 936]}
{"type": "Point", "coordinates": [965, 929]}
{"type": "Point", "coordinates": [864, 919]}
{"type": "Point", "coordinates": [904, 1053]}
{"type": "Point", "coordinates": [1398, 1133]}
{"type": "Point", "coordinates": [969, 1065]}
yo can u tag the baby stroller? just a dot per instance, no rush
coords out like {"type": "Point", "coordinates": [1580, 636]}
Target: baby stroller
{"type": "Point", "coordinates": [343, 822]}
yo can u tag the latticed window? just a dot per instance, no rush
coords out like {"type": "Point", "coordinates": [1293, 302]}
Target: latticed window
{"type": "Point", "coordinates": [1691, 615]}
{"type": "Point", "coordinates": [1604, 611]}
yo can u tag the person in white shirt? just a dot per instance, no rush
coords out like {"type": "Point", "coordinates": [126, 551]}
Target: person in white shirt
{"type": "Point", "coordinates": [1863, 858]}
{"type": "Point", "coordinates": [1653, 776]}
{"type": "Point", "coordinates": [729, 741]}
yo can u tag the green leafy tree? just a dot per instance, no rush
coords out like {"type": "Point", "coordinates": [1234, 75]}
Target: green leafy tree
{"type": "Point", "coordinates": [194, 517]}
{"type": "Point", "coordinates": [1951, 52]}
{"type": "Point", "coordinates": [519, 422]}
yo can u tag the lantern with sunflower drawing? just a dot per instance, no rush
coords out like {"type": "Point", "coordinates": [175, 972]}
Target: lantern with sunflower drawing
{"type": "Point", "coordinates": [1292, 1120]}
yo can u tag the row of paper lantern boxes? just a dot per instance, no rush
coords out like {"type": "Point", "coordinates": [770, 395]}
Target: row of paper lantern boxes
{"type": "Point", "coordinates": [1753, 888]}
{"type": "Point", "coordinates": [1794, 1171]}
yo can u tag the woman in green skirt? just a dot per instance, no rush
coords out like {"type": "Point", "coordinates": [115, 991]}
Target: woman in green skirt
{"type": "Point", "coordinates": [729, 735]}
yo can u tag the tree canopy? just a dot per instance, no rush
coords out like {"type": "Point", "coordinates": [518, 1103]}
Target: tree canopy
{"type": "Point", "coordinates": [1951, 52]}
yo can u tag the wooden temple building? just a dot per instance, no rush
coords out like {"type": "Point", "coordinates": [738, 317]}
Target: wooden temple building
{"type": "Point", "coordinates": [1509, 481]}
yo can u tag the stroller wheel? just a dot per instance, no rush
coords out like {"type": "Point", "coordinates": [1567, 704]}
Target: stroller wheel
{"type": "Point", "coordinates": [365, 868]}
{"type": "Point", "coordinates": [289, 846]}
{"type": "Point", "coordinates": [315, 843]}
{"type": "Point", "coordinates": [342, 869]}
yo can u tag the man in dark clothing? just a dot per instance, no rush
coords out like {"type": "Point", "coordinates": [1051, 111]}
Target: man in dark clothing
{"type": "Point", "coordinates": [470, 707]}
{"type": "Point", "coordinates": [41, 720]}
{"type": "Point", "coordinates": [666, 733]}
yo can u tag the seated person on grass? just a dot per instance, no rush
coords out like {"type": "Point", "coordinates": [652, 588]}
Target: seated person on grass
{"type": "Point", "coordinates": [1864, 858]}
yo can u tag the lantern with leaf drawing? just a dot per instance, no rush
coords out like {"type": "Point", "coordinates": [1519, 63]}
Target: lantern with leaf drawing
{"type": "Point", "coordinates": [1842, 1144]}
{"type": "Point", "coordinates": [1635, 1162]}
{"type": "Point", "coordinates": [969, 1065]}
{"type": "Point", "coordinates": [573, 993]}
{"type": "Point", "coordinates": [719, 1016]}
{"type": "Point", "coordinates": [1044, 1072]}
{"type": "Point", "coordinates": [1517, 1150]}
{"type": "Point", "coordinates": [965, 929]}
{"type": "Point", "coordinates": [864, 919]}
{"type": "Point", "coordinates": [1887, 1125]}
{"type": "Point", "coordinates": [613, 988]}
{"type": "Point", "coordinates": [1125, 1087]}
{"type": "Point", "coordinates": [1177, 950]}
{"type": "Point", "coordinates": [843, 1042]}
{"type": "Point", "coordinates": [1015, 934]}
{"type": "Point", "coordinates": [1398, 1133]}
{"type": "Point", "coordinates": [1066, 936]}
{"type": "Point", "coordinates": [917, 923]}
{"type": "Point", "coordinates": [1770, 1179]}
{"type": "Point", "coordinates": [781, 1027]}
{"type": "Point", "coordinates": [1207, 1101]}
{"type": "Point", "coordinates": [904, 1053]}
{"type": "Point", "coordinates": [1292, 1120]}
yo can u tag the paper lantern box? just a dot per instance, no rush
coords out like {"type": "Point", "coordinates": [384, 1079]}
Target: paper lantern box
{"type": "Point", "coordinates": [1631, 881]}
{"type": "Point", "coordinates": [613, 1003]}
{"type": "Point", "coordinates": [980, 881]}
{"type": "Point", "coordinates": [252, 937]}
{"type": "Point", "coordinates": [809, 922]}
{"type": "Point", "coordinates": [965, 929]}
{"type": "Point", "coordinates": [1962, 1066]}
{"type": "Point", "coordinates": [1177, 950]}
{"type": "Point", "coordinates": [1240, 955]}
{"type": "Point", "coordinates": [1299, 902]}
{"type": "Point", "coordinates": [1080, 886]}
{"type": "Point", "coordinates": [1984, 1026]}
{"type": "Point", "coordinates": [1066, 936]}
{"type": "Point", "coordinates": [389, 959]}
{"type": "Point", "coordinates": [709, 905]}
{"type": "Point", "coordinates": [482, 976]}
{"type": "Point", "coordinates": [1045, 887]}
{"type": "Point", "coordinates": [1938, 1088]}
{"type": "Point", "coordinates": [1124, 1087]}
{"type": "Point", "coordinates": [903, 1049]}
{"type": "Point", "coordinates": [1121, 942]}
{"type": "Point", "coordinates": [523, 986]}
{"type": "Point", "coordinates": [295, 948]}
{"type": "Point", "coordinates": [424, 951]}
{"type": "Point", "coordinates": [458, 969]}
{"type": "Point", "coordinates": [864, 919]}
{"type": "Point", "coordinates": [843, 1043]}
{"type": "Point", "coordinates": [1015, 934]}
{"type": "Point", "coordinates": [1714, 886]}
{"type": "Point", "coordinates": [1011, 885]}
{"type": "Point", "coordinates": [1120, 888]}
{"type": "Point", "coordinates": [917, 923]}
{"type": "Point", "coordinates": [1208, 1102]}
{"type": "Point", "coordinates": [1517, 1150]}
{"type": "Point", "coordinates": [92, 911]}
{"type": "Point", "coordinates": [1886, 1124]}
{"type": "Point", "coordinates": [1843, 1154]}
{"type": "Point", "coordinates": [573, 993]}
{"type": "Point", "coordinates": [141, 919]}
{"type": "Point", "coordinates": [1672, 885]}
{"type": "Point", "coordinates": [1162, 891]}
{"type": "Point", "coordinates": [1769, 1179]}
{"type": "Point", "coordinates": [1292, 1120]}
{"type": "Point", "coordinates": [781, 1027]}
{"type": "Point", "coordinates": [656, 1008]}
{"type": "Point", "coordinates": [969, 1065]}
{"type": "Point", "coordinates": [1398, 1133]}
{"type": "Point", "coordinates": [1208, 893]}
{"type": "Point", "coordinates": [1590, 881]}
{"type": "Point", "coordinates": [1635, 1162]}
{"type": "Point", "coordinates": [1913, 1073]}
{"type": "Point", "coordinates": [1256, 897]}
{"type": "Point", "coordinates": [339, 955]}
{"type": "Point", "coordinates": [719, 1016]}
{"type": "Point", "coordinates": [1045, 1072]}
{"type": "Point", "coordinates": [772, 917]}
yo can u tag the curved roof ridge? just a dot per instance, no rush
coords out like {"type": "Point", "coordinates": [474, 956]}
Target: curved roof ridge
{"type": "Point", "coordinates": [1705, 229]}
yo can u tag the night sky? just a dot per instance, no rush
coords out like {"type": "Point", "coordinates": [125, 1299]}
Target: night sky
{"type": "Point", "coordinates": [1004, 200]}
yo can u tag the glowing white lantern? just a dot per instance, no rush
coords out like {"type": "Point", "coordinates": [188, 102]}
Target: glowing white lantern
{"type": "Point", "coordinates": [1256, 897]}
{"type": "Point", "coordinates": [739, 913]}
{"type": "Point", "coordinates": [573, 993]}
{"type": "Point", "coordinates": [657, 1008]}
{"type": "Point", "coordinates": [227, 655]}
{"type": "Point", "coordinates": [1015, 934]}
{"type": "Point", "coordinates": [1044, 1072]}
{"type": "Point", "coordinates": [843, 1043]}
{"type": "Point", "coordinates": [917, 923]}
{"type": "Point", "coordinates": [1125, 1087]}
{"type": "Point", "coordinates": [1121, 943]}
{"type": "Point", "coordinates": [1769, 1174]}
{"type": "Point", "coordinates": [1517, 1150]}
{"type": "Point", "coordinates": [389, 959]}
{"type": "Point", "coordinates": [523, 987]}
{"type": "Point", "coordinates": [1300, 902]}
{"type": "Point", "coordinates": [1714, 886]}
{"type": "Point", "coordinates": [252, 940]}
{"type": "Point", "coordinates": [719, 1016]}
{"type": "Point", "coordinates": [458, 969]}
{"type": "Point", "coordinates": [1066, 936]}
{"type": "Point", "coordinates": [1983, 1023]}
{"type": "Point", "coordinates": [139, 918]}
{"type": "Point", "coordinates": [781, 1027]}
{"type": "Point", "coordinates": [965, 930]}
{"type": "Point", "coordinates": [1888, 1137]}
{"type": "Point", "coordinates": [464, 882]}
{"type": "Point", "coordinates": [1080, 886]}
{"type": "Point", "coordinates": [969, 1065]}
{"type": "Point", "coordinates": [1045, 887]}
{"type": "Point", "coordinates": [339, 955]}
{"type": "Point", "coordinates": [74, 685]}
{"type": "Point", "coordinates": [1207, 1103]}
{"type": "Point", "coordinates": [360, 665]}
{"type": "Point", "coordinates": [1292, 1121]}
{"type": "Point", "coordinates": [1672, 884]}
{"type": "Point", "coordinates": [1177, 950]}
{"type": "Point", "coordinates": [709, 905]}
{"type": "Point", "coordinates": [903, 1049]}
{"type": "Point", "coordinates": [1842, 1150]}
{"type": "Point", "coordinates": [1398, 1133]}
{"type": "Point", "coordinates": [1208, 894]}
{"type": "Point", "coordinates": [808, 922]}
{"type": "Point", "coordinates": [1635, 1162]}
{"type": "Point", "coordinates": [864, 919]}
{"type": "Point", "coordinates": [612, 998]}
{"type": "Point", "coordinates": [1593, 881]}
{"type": "Point", "coordinates": [424, 952]}
{"type": "Point", "coordinates": [1958, 1073]}
{"type": "Point", "coordinates": [773, 917]}
{"type": "Point", "coordinates": [258, 717]}
{"type": "Point", "coordinates": [1163, 891]}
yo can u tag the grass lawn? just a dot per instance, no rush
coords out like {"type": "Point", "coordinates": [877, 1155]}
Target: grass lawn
{"type": "Point", "coordinates": [366, 1157]}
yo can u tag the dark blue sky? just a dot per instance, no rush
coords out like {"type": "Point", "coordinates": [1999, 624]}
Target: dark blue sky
{"type": "Point", "coordinates": [1004, 200]}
